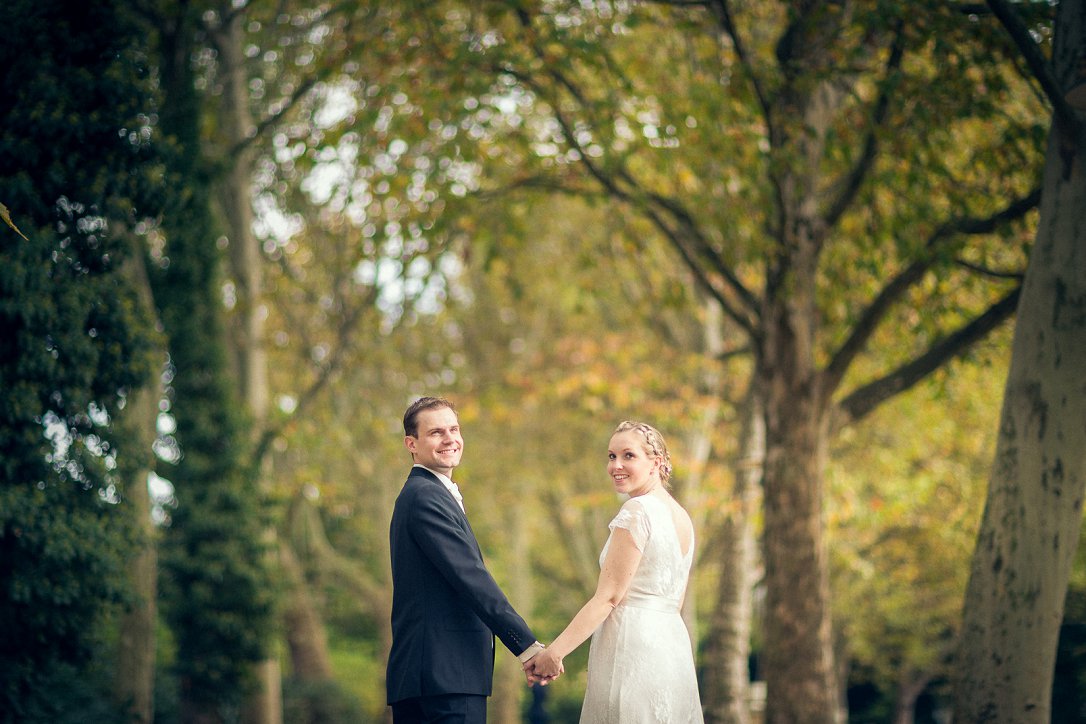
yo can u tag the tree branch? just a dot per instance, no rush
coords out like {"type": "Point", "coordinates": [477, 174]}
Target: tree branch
{"type": "Point", "coordinates": [863, 165]}
{"type": "Point", "coordinates": [674, 238]}
{"type": "Point", "coordinates": [862, 401]}
{"type": "Point", "coordinates": [722, 10]}
{"type": "Point", "coordinates": [582, 574]}
{"type": "Point", "coordinates": [272, 119]}
{"type": "Point", "coordinates": [1030, 9]}
{"type": "Point", "coordinates": [1016, 275]}
{"type": "Point", "coordinates": [681, 3]}
{"type": "Point", "coordinates": [321, 73]}
{"type": "Point", "coordinates": [642, 200]}
{"type": "Point", "coordinates": [896, 287]}
{"type": "Point", "coordinates": [1040, 67]}
{"type": "Point", "coordinates": [680, 214]}
{"type": "Point", "coordinates": [541, 182]}
{"type": "Point", "coordinates": [330, 562]}
{"type": "Point", "coordinates": [325, 372]}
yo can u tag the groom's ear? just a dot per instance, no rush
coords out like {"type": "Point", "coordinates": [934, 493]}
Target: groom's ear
{"type": "Point", "coordinates": [409, 443]}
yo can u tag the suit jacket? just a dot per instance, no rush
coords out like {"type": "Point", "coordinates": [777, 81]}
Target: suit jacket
{"type": "Point", "coordinates": [446, 607]}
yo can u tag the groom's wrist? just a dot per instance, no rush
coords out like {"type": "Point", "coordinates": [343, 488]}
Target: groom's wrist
{"type": "Point", "coordinates": [530, 651]}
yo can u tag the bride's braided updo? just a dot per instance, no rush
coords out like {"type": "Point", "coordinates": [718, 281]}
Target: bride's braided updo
{"type": "Point", "coordinates": [654, 445]}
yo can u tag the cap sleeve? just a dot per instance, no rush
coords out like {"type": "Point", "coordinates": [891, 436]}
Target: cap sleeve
{"type": "Point", "coordinates": [632, 517]}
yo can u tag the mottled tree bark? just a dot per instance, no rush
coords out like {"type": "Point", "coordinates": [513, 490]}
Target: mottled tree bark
{"type": "Point", "coordinates": [134, 678]}
{"type": "Point", "coordinates": [247, 341]}
{"type": "Point", "coordinates": [509, 681]}
{"type": "Point", "coordinates": [725, 687]}
{"type": "Point", "coordinates": [307, 640]}
{"type": "Point", "coordinates": [801, 674]}
{"type": "Point", "coordinates": [1033, 513]}
{"type": "Point", "coordinates": [725, 693]}
{"type": "Point", "coordinates": [909, 689]}
{"type": "Point", "coordinates": [801, 680]}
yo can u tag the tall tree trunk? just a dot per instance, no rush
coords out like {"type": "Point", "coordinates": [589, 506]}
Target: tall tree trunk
{"type": "Point", "coordinates": [304, 630]}
{"type": "Point", "coordinates": [244, 248]}
{"type": "Point", "coordinates": [1033, 513]}
{"type": "Point", "coordinates": [909, 690]}
{"type": "Point", "coordinates": [699, 447]}
{"type": "Point", "coordinates": [211, 543]}
{"type": "Point", "coordinates": [134, 677]}
{"type": "Point", "coordinates": [725, 658]}
{"type": "Point", "coordinates": [265, 704]}
{"type": "Point", "coordinates": [800, 670]}
{"type": "Point", "coordinates": [801, 680]}
{"type": "Point", "coordinates": [726, 690]}
{"type": "Point", "coordinates": [509, 684]}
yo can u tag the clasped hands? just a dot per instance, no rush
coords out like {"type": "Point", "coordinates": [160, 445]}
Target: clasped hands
{"type": "Point", "coordinates": [543, 668]}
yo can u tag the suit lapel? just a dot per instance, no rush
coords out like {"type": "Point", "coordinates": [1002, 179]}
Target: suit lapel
{"type": "Point", "coordinates": [447, 498]}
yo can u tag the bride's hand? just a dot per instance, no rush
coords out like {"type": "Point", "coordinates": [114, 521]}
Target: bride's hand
{"type": "Point", "coordinates": [546, 666]}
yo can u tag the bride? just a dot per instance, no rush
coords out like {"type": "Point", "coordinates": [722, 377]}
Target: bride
{"type": "Point", "coordinates": [640, 663]}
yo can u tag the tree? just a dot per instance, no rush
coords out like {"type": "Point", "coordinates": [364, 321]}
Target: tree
{"type": "Point", "coordinates": [905, 494]}
{"type": "Point", "coordinates": [823, 170]}
{"type": "Point", "coordinates": [238, 73]}
{"type": "Point", "coordinates": [134, 674]}
{"type": "Point", "coordinates": [266, 74]}
{"type": "Point", "coordinates": [1033, 513]}
{"type": "Point", "coordinates": [217, 592]}
{"type": "Point", "coordinates": [77, 170]}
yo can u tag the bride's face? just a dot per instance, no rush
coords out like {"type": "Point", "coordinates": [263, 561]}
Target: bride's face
{"type": "Point", "coordinates": [631, 469]}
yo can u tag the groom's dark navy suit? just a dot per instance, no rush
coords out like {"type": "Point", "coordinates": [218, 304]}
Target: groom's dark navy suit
{"type": "Point", "coordinates": [446, 607]}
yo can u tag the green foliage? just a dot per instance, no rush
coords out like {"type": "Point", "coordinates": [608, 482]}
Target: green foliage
{"type": "Point", "coordinates": [906, 493]}
{"type": "Point", "coordinates": [218, 597]}
{"type": "Point", "coordinates": [75, 695]}
{"type": "Point", "coordinates": [324, 702]}
{"type": "Point", "coordinates": [218, 594]}
{"type": "Point", "coordinates": [61, 565]}
{"type": "Point", "coordinates": [359, 668]}
{"type": "Point", "coordinates": [547, 320]}
{"type": "Point", "coordinates": [77, 171]}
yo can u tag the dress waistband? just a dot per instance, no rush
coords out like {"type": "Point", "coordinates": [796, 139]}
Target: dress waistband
{"type": "Point", "coordinates": [652, 603]}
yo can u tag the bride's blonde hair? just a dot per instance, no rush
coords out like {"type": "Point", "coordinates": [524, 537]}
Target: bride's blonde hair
{"type": "Point", "coordinates": [654, 445]}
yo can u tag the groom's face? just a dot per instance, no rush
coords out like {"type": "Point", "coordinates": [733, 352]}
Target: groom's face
{"type": "Point", "coordinates": [439, 445]}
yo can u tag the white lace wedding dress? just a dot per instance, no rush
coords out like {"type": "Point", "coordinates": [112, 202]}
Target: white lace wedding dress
{"type": "Point", "coordinates": [640, 664]}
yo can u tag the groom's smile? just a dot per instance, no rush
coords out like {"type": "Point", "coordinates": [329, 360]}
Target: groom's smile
{"type": "Point", "coordinates": [439, 445]}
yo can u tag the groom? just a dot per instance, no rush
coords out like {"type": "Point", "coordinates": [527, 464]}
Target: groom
{"type": "Point", "coordinates": [446, 607]}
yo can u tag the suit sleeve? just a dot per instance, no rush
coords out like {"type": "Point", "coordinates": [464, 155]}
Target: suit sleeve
{"type": "Point", "coordinates": [454, 552]}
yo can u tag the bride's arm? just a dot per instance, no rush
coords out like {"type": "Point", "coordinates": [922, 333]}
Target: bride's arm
{"type": "Point", "coordinates": [618, 570]}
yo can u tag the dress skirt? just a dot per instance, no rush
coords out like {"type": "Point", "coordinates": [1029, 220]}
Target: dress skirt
{"type": "Point", "coordinates": [641, 668]}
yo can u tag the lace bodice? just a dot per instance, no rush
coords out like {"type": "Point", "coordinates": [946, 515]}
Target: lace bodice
{"type": "Point", "coordinates": [664, 568]}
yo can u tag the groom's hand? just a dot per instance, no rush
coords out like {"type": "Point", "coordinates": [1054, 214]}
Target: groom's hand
{"type": "Point", "coordinates": [526, 657]}
{"type": "Point", "coordinates": [529, 672]}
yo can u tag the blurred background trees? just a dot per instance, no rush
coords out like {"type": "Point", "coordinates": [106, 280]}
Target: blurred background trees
{"type": "Point", "coordinates": [787, 234]}
{"type": "Point", "coordinates": [78, 165]}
